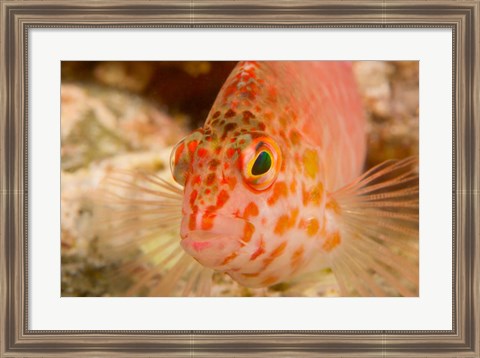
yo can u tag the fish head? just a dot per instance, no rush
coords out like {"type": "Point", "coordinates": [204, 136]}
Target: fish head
{"type": "Point", "coordinates": [242, 205]}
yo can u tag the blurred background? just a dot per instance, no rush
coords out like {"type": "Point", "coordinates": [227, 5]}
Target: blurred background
{"type": "Point", "coordinates": [128, 115]}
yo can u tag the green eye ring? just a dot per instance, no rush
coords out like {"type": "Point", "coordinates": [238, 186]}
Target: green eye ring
{"type": "Point", "coordinates": [261, 163]}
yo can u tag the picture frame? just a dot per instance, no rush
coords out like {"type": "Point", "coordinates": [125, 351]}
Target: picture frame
{"type": "Point", "coordinates": [18, 17]}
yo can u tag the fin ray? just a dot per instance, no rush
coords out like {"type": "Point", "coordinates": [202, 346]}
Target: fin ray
{"type": "Point", "coordinates": [379, 229]}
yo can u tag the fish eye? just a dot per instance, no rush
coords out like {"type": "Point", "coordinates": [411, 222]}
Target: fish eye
{"type": "Point", "coordinates": [261, 162]}
{"type": "Point", "coordinates": [180, 159]}
{"type": "Point", "coordinates": [182, 155]}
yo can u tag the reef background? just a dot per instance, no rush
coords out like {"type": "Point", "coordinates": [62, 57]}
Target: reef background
{"type": "Point", "coordinates": [129, 114]}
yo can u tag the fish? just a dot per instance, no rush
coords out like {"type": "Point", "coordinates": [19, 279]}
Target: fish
{"type": "Point", "coordinates": [272, 188]}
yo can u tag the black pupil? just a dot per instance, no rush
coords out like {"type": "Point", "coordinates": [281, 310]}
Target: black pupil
{"type": "Point", "coordinates": [262, 164]}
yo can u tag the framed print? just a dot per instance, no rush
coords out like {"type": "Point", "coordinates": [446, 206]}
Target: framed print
{"type": "Point", "coordinates": [189, 179]}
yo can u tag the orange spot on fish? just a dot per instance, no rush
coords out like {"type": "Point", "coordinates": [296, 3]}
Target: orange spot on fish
{"type": "Point", "coordinates": [297, 257]}
{"type": "Point", "coordinates": [333, 205]}
{"type": "Point", "coordinates": [255, 274]}
{"type": "Point", "coordinates": [232, 182]}
{"type": "Point", "coordinates": [270, 280]}
{"type": "Point", "coordinates": [279, 190]}
{"type": "Point", "coordinates": [316, 194]}
{"type": "Point", "coordinates": [248, 231]}
{"type": "Point", "coordinates": [229, 258]}
{"type": "Point", "coordinates": [286, 222]}
{"type": "Point", "coordinates": [310, 162]}
{"type": "Point", "coordinates": [294, 137]}
{"type": "Point", "coordinates": [293, 186]}
{"type": "Point", "coordinates": [207, 221]}
{"type": "Point", "coordinates": [332, 241]}
{"type": "Point", "coordinates": [312, 227]}
{"type": "Point", "coordinates": [274, 254]}
{"type": "Point", "coordinates": [250, 210]}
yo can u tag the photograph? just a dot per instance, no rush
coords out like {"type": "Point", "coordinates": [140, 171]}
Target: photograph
{"type": "Point", "coordinates": [240, 178]}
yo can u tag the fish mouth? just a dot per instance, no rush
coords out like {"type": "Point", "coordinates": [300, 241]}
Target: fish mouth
{"type": "Point", "coordinates": [210, 249]}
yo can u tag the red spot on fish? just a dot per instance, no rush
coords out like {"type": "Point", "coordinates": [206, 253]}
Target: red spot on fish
{"type": "Point", "coordinates": [259, 251]}
{"type": "Point", "coordinates": [201, 245]}
{"type": "Point", "coordinates": [247, 115]}
{"type": "Point", "coordinates": [230, 152]}
{"type": "Point", "coordinates": [216, 114]}
{"type": "Point", "coordinates": [272, 94]}
{"type": "Point", "coordinates": [210, 179]}
{"type": "Point", "coordinates": [192, 222]}
{"type": "Point", "coordinates": [222, 198]}
{"type": "Point", "coordinates": [193, 197]}
{"type": "Point", "coordinates": [202, 152]}
{"type": "Point", "coordinates": [228, 128]}
{"type": "Point", "coordinates": [192, 146]}
{"type": "Point", "coordinates": [230, 113]}
{"type": "Point", "coordinates": [196, 179]}
{"type": "Point", "coordinates": [213, 164]}
{"type": "Point", "coordinates": [179, 152]}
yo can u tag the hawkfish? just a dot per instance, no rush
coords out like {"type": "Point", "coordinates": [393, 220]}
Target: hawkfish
{"type": "Point", "coordinates": [272, 188]}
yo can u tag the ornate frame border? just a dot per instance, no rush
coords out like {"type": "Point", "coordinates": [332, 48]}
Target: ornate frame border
{"type": "Point", "coordinates": [17, 17]}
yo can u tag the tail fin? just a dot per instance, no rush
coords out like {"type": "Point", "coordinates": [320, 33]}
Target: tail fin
{"type": "Point", "coordinates": [379, 229]}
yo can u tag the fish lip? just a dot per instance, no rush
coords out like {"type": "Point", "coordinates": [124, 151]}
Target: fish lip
{"type": "Point", "coordinates": [210, 249]}
{"type": "Point", "coordinates": [230, 219]}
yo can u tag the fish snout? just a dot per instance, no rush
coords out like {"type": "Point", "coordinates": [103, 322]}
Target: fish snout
{"type": "Point", "coordinates": [211, 246]}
